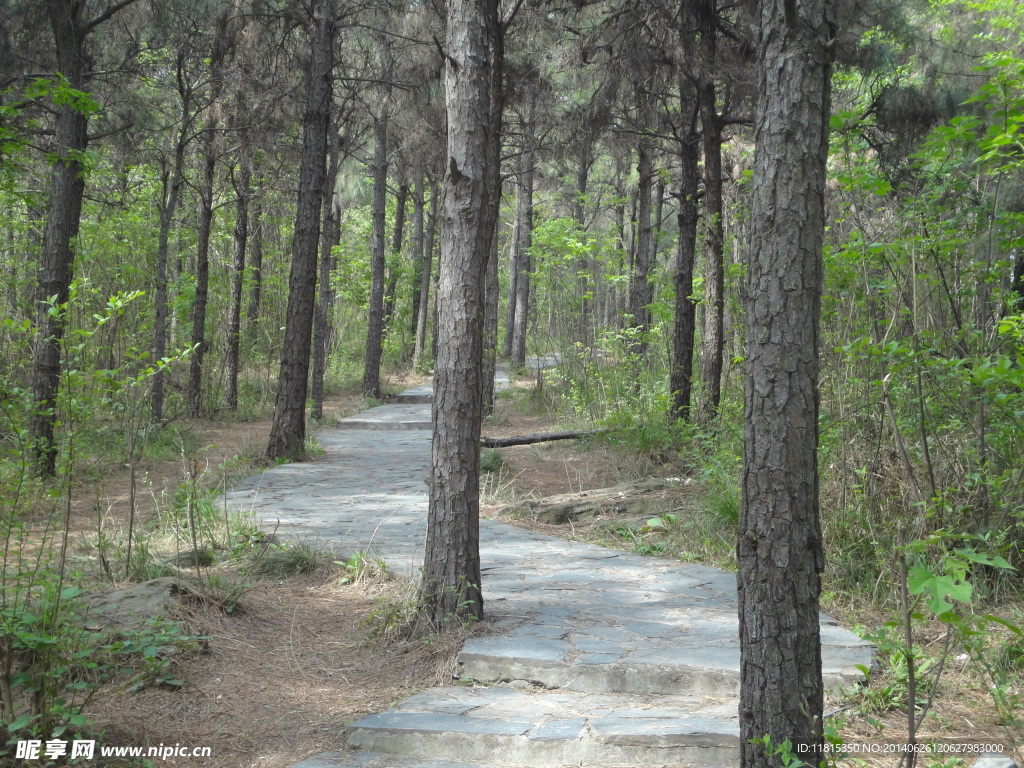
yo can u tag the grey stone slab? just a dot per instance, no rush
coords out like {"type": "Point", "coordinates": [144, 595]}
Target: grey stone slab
{"type": "Point", "coordinates": [372, 760]}
{"type": "Point", "coordinates": [435, 722]}
{"type": "Point", "coordinates": [726, 657]}
{"type": "Point", "coordinates": [594, 645]}
{"type": "Point", "coordinates": [517, 647]}
{"type": "Point", "coordinates": [635, 731]}
{"type": "Point", "coordinates": [599, 658]}
{"type": "Point", "coordinates": [560, 729]}
{"type": "Point", "coordinates": [470, 697]}
{"type": "Point", "coordinates": [546, 630]}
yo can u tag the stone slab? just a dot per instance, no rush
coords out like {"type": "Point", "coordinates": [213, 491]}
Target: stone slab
{"type": "Point", "coordinates": [372, 760]}
{"type": "Point", "coordinates": [553, 728]}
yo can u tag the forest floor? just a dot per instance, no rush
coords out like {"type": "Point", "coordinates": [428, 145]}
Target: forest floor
{"type": "Point", "coordinates": [296, 660]}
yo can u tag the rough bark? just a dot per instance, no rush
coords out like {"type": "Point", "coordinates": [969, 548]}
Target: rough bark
{"type": "Point", "coordinates": [681, 376]}
{"type": "Point", "coordinates": [288, 431]}
{"type": "Point", "coordinates": [325, 300]}
{"type": "Point", "coordinates": [375, 325]}
{"type": "Point", "coordinates": [712, 337]}
{"type": "Point", "coordinates": [491, 322]}
{"type": "Point", "coordinates": [395, 267]}
{"type": "Point", "coordinates": [779, 551]}
{"type": "Point", "coordinates": [641, 292]}
{"type": "Point", "coordinates": [418, 205]}
{"type": "Point", "coordinates": [423, 315]}
{"type": "Point", "coordinates": [451, 569]}
{"type": "Point", "coordinates": [67, 187]}
{"type": "Point", "coordinates": [194, 395]}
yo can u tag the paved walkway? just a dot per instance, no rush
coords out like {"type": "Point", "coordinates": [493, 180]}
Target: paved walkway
{"type": "Point", "coordinates": [600, 657]}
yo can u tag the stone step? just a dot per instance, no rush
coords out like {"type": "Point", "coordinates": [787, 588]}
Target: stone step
{"type": "Point", "coordinates": [699, 660]}
{"type": "Point", "coordinates": [400, 416]}
{"type": "Point", "coordinates": [416, 395]}
{"type": "Point", "coordinates": [544, 729]}
{"type": "Point", "coordinates": [374, 760]}
{"type": "Point", "coordinates": [412, 399]}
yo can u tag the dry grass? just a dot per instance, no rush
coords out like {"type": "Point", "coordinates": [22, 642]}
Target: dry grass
{"type": "Point", "coordinates": [284, 675]}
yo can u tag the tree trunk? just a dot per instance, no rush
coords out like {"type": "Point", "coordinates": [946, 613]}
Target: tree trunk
{"type": "Point", "coordinates": [491, 299]}
{"type": "Point", "coordinates": [288, 432]}
{"type": "Point", "coordinates": [194, 399]}
{"type": "Point", "coordinates": [252, 312]}
{"type": "Point", "coordinates": [641, 292]}
{"type": "Point", "coordinates": [712, 338]}
{"type": "Point", "coordinates": [681, 377]}
{"type": "Point", "coordinates": [418, 205]}
{"type": "Point", "coordinates": [780, 554]}
{"type": "Point", "coordinates": [451, 569]}
{"type": "Point", "coordinates": [524, 223]}
{"type": "Point", "coordinates": [325, 301]}
{"type": "Point", "coordinates": [513, 273]}
{"type": "Point", "coordinates": [395, 267]}
{"type": "Point", "coordinates": [375, 327]}
{"type": "Point", "coordinates": [241, 237]}
{"type": "Point", "coordinates": [425, 280]}
{"type": "Point", "coordinates": [170, 195]}
{"type": "Point", "coordinates": [585, 267]}
{"type": "Point", "coordinates": [67, 187]}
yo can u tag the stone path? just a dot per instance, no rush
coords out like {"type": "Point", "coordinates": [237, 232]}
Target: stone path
{"type": "Point", "coordinates": [599, 657]}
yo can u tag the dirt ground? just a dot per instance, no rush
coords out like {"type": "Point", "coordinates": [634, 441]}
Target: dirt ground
{"type": "Point", "coordinates": [287, 670]}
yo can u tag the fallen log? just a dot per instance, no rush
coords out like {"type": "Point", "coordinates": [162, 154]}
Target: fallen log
{"type": "Point", "coordinates": [508, 442]}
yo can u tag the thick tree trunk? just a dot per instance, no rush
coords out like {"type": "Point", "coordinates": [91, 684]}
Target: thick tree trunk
{"type": "Point", "coordinates": [780, 554]}
{"type": "Point", "coordinates": [325, 300]}
{"type": "Point", "coordinates": [712, 338]}
{"type": "Point", "coordinates": [451, 570]}
{"type": "Point", "coordinates": [241, 238]}
{"type": "Point", "coordinates": [194, 397]}
{"type": "Point", "coordinates": [288, 432]}
{"type": "Point", "coordinates": [375, 327]}
{"type": "Point", "coordinates": [681, 377]}
{"type": "Point", "coordinates": [67, 187]}
{"type": "Point", "coordinates": [423, 315]}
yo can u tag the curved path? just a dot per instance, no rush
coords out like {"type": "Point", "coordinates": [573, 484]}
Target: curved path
{"type": "Point", "coordinates": [599, 657]}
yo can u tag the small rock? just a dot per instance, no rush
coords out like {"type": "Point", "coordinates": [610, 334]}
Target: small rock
{"type": "Point", "coordinates": [132, 607]}
{"type": "Point", "coordinates": [994, 760]}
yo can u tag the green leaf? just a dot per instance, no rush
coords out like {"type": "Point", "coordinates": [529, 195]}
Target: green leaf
{"type": "Point", "coordinates": [937, 587]}
{"type": "Point", "coordinates": [21, 721]}
{"type": "Point", "coordinates": [995, 561]}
